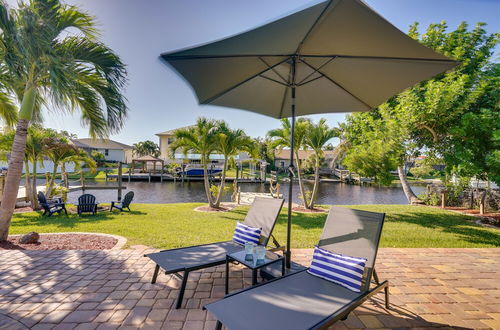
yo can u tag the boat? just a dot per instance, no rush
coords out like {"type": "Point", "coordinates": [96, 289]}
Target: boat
{"type": "Point", "coordinates": [198, 171]}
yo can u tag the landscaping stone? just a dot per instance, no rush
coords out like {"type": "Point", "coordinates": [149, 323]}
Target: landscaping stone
{"type": "Point", "coordinates": [29, 238]}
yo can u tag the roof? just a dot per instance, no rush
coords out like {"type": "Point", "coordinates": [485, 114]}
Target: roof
{"type": "Point", "coordinates": [100, 144]}
{"type": "Point", "coordinates": [147, 158]}
{"type": "Point", "coordinates": [303, 154]}
{"type": "Point", "coordinates": [172, 131]}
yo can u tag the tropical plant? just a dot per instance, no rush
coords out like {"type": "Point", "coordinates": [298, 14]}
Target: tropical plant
{"type": "Point", "coordinates": [316, 138]}
{"type": "Point", "coordinates": [229, 142]}
{"type": "Point", "coordinates": [98, 157]}
{"type": "Point", "coordinates": [280, 138]}
{"type": "Point", "coordinates": [146, 148]}
{"type": "Point", "coordinates": [44, 61]}
{"type": "Point", "coordinates": [61, 152]}
{"type": "Point", "coordinates": [34, 154]}
{"type": "Point", "coordinates": [200, 139]}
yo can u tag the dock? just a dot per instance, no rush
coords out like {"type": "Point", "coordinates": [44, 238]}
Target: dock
{"type": "Point", "coordinates": [21, 194]}
{"type": "Point", "coordinates": [169, 177]}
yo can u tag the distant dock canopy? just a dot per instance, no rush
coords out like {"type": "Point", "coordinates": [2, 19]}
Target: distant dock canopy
{"type": "Point", "coordinates": [144, 160]}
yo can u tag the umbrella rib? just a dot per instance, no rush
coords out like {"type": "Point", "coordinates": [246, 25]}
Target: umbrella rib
{"type": "Point", "coordinates": [315, 70]}
{"type": "Point", "coordinates": [339, 85]}
{"type": "Point", "coordinates": [272, 68]}
{"type": "Point", "coordinates": [283, 102]}
{"type": "Point", "coordinates": [316, 21]}
{"type": "Point", "coordinates": [227, 90]}
{"type": "Point", "coordinates": [385, 58]}
{"type": "Point", "coordinates": [273, 80]}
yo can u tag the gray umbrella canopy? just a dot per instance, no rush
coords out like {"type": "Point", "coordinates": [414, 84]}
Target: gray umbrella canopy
{"type": "Point", "coordinates": [336, 56]}
{"type": "Point", "coordinates": [347, 58]}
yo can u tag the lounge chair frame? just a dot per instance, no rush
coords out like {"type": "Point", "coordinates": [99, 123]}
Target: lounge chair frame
{"type": "Point", "coordinates": [371, 278]}
{"type": "Point", "coordinates": [186, 270]}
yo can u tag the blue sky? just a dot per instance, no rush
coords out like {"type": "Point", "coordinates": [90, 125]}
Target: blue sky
{"type": "Point", "coordinates": [159, 100]}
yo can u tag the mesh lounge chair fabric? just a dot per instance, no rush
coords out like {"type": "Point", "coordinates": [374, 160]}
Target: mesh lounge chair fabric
{"type": "Point", "coordinates": [262, 214]}
{"type": "Point", "coordinates": [301, 300]}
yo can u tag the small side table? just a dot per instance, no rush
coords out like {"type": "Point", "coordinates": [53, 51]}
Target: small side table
{"type": "Point", "coordinates": [269, 258]}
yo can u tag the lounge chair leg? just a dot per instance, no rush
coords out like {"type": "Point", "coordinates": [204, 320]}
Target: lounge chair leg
{"type": "Point", "coordinates": [218, 325]}
{"type": "Point", "coordinates": [155, 274]}
{"type": "Point", "coordinates": [183, 288]}
{"type": "Point", "coordinates": [386, 289]}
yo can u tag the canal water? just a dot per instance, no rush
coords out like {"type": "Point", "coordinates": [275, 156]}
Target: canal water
{"type": "Point", "coordinates": [329, 192]}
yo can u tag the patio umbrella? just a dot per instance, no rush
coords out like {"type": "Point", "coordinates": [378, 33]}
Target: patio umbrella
{"type": "Point", "coordinates": [335, 56]}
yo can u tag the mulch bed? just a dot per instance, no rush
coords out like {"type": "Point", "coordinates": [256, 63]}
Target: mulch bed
{"type": "Point", "coordinates": [62, 242]}
{"type": "Point", "coordinates": [488, 218]}
{"type": "Point", "coordinates": [223, 208]}
{"type": "Point", "coordinates": [301, 209]}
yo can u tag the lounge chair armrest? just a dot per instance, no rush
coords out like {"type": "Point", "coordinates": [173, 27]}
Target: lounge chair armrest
{"type": "Point", "coordinates": [277, 248]}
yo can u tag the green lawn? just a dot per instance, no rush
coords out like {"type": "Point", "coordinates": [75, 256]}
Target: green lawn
{"type": "Point", "coordinates": [176, 225]}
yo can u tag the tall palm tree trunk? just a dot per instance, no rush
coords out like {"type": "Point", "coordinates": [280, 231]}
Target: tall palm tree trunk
{"type": "Point", "coordinates": [52, 181]}
{"type": "Point", "coordinates": [315, 188]}
{"type": "Point", "coordinates": [410, 195]}
{"type": "Point", "coordinates": [34, 188]}
{"type": "Point", "coordinates": [207, 184]}
{"type": "Point", "coordinates": [27, 182]}
{"type": "Point", "coordinates": [222, 183]}
{"type": "Point", "coordinates": [13, 177]}
{"type": "Point", "coordinates": [299, 176]}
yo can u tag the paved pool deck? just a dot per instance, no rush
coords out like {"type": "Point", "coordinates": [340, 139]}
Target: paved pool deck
{"type": "Point", "coordinates": [430, 288]}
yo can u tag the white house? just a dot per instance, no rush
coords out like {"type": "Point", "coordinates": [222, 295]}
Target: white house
{"type": "Point", "coordinates": [112, 150]}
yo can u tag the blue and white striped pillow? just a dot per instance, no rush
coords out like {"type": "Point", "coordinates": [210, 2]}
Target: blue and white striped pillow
{"type": "Point", "coordinates": [244, 233]}
{"type": "Point", "coordinates": [343, 270]}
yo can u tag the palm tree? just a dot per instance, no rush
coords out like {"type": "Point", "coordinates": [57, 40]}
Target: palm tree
{"type": "Point", "coordinates": [281, 138]}
{"type": "Point", "coordinates": [201, 139]}
{"type": "Point", "coordinates": [146, 148]}
{"type": "Point", "coordinates": [316, 138]}
{"type": "Point", "coordinates": [229, 142]}
{"type": "Point", "coordinates": [60, 151]}
{"type": "Point", "coordinates": [43, 61]}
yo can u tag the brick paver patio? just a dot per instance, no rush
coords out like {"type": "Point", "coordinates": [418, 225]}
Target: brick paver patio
{"type": "Point", "coordinates": [430, 288]}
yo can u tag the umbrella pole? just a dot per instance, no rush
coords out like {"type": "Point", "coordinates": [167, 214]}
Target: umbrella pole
{"type": "Point", "coordinates": [290, 175]}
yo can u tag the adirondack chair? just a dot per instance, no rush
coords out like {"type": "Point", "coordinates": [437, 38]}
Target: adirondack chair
{"type": "Point", "coordinates": [86, 203]}
{"type": "Point", "coordinates": [51, 206]}
{"type": "Point", "coordinates": [124, 203]}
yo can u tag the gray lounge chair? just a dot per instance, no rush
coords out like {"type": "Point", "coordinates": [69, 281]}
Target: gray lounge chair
{"type": "Point", "coordinates": [263, 214]}
{"type": "Point", "coordinates": [304, 301]}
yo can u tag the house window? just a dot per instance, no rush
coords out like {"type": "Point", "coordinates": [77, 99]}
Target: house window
{"type": "Point", "coordinates": [106, 152]}
{"type": "Point", "coordinates": [282, 164]}
{"type": "Point", "coordinates": [170, 140]}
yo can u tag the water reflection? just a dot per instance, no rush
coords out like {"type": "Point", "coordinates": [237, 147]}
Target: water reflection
{"type": "Point", "coordinates": [329, 193]}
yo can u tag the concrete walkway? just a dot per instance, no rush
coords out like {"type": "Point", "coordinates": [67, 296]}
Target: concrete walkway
{"type": "Point", "coordinates": [430, 288]}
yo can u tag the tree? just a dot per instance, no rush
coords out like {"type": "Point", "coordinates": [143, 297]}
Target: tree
{"type": "Point", "coordinates": [280, 138]}
{"type": "Point", "coordinates": [98, 157]}
{"type": "Point", "coordinates": [316, 138]}
{"type": "Point", "coordinates": [426, 116]}
{"type": "Point", "coordinates": [146, 148]}
{"type": "Point", "coordinates": [43, 61]}
{"type": "Point", "coordinates": [201, 139]}
{"type": "Point", "coordinates": [229, 142]}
